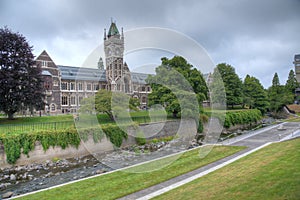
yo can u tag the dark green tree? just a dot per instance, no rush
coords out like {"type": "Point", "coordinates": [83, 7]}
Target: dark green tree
{"type": "Point", "coordinates": [291, 83]}
{"type": "Point", "coordinates": [176, 90]}
{"type": "Point", "coordinates": [232, 83]}
{"type": "Point", "coordinates": [20, 79]}
{"type": "Point", "coordinates": [255, 95]}
{"type": "Point", "coordinates": [278, 95]}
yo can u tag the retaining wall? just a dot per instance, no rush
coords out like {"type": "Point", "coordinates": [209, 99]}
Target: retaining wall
{"type": "Point", "coordinates": [184, 128]}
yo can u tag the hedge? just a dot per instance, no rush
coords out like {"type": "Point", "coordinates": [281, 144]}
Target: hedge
{"type": "Point", "coordinates": [242, 117]}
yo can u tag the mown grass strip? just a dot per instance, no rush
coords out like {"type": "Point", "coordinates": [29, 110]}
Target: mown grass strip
{"type": "Point", "coordinates": [270, 173]}
{"type": "Point", "coordinates": [120, 183]}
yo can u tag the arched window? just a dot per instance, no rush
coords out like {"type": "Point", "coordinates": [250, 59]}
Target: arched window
{"type": "Point", "coordinates": [144, 99]}
{"type": "Point", "coordinates": [52, 107]}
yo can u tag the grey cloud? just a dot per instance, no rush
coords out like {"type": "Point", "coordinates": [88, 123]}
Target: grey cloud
{"type": "Point", "coordinates": [256, 37]}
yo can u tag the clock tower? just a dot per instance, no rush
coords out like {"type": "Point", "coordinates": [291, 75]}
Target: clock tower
{"type": "Point", "coordinates": [114, 49]}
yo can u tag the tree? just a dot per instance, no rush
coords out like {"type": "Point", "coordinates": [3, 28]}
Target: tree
{"type": "Point", "coordinates": [255, 95]}
{"type": "Point", "coordinates": [113, 104]}
{"type": "Point", "coordinates": [291, 83]}
{"type": "Point", "coordinates": [278, 95]}
{"type": "Point", "coordinates": [232, 83]}
{"type": "Point", "coordinates": [175, 85]}
{"type": "Point", "coordinates": [20, 79]}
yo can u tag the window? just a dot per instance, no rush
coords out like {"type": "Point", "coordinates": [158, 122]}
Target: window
{"type": "Point", "coordinates": [148, 89]}
{"type": "Point", "coordinates": [52, 107]}
{"type": "Point", "coordinates": [143, 88]}
{"type": "Point", "coordinates": [96, 87]}
{"type": "Point", "coordinates": [64, 100]}
{"type": "Point", "coordinates": [55, 83]}
{"type": "Point", "coordinates": [72, 86]}
{"type": "Point", "coordinates": [47, 85]}
{"type": "Point", "coordinates": [64, 85]}
{"type": "Point", "coordinates": [144, 99]}
{"type": "Point", "coordinates": [88, 86]}
{"type": "Point", "coordinates": [79, 99]}
{"type": "Point", "coordinates": [79, 86]}
{"type": "Point", "coordinates": [44, 63]}
{"type": "Point", "coordinates": [73, 100]}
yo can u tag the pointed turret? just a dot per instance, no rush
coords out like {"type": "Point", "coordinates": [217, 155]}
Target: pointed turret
{"type": "Point", "coordinates": [113, 30]}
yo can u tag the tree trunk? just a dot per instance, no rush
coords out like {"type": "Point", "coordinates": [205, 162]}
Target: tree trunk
{"type": "Point", "coordinates": [10, 115]}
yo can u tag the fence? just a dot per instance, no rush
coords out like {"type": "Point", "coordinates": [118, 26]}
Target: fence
{"type": "Point", "coordinates": [26, 127]}
{"type": "Point", "coordinates": [15, 128]}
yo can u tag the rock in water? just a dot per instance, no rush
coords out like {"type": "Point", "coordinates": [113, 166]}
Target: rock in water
{"type": "Point", "coordinates": [7, 195]}
{"type": "Point", "coordinates": [12, 177]}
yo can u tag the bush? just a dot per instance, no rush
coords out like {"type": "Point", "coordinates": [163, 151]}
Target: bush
{"type": "Point", "coordinates": [242, 117]}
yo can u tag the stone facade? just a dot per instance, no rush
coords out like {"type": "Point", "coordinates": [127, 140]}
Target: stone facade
{"type": "Point", "coordinates": [65, 86]}
{"type": "Point", "coordinates": [297, 66]}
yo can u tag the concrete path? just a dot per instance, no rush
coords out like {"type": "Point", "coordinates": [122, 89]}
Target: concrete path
{"type": "Point", "coordinates": [254, 141]}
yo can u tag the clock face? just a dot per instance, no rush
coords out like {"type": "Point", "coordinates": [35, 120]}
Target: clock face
{"type": "Point", "coordinates": [118, 51]}
{"type": "Point", "coordinates": [109, 51]}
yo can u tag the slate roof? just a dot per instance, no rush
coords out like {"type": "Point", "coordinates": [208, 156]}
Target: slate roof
{"type": "Point", "coordinates": [81, 73]}
{"type": "Point", "coordinates": [46, 73]}
{"type": "Point", "coordinates": [138, 77]}
{"type": "Point", "coordinates": [94, 74]}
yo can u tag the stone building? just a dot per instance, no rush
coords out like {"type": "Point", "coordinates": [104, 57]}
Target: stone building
{"type": "Point", "coordinates": [297, 66]}
{"type": "Point", "coordinates": [297, 71]}
{"type": "Point", "coordinates": [65, 86]}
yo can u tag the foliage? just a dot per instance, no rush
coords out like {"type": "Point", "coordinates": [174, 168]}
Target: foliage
{"type": "Point", "coordinates": [140, 138]}
{"type": "Point", "coordinates": [15, 144]}
{"type": "Point", "coordinates": [115, 134]}
{"type": "Point", "coordinates": [178, 87]}
{"type": "Point", "coordinates": [254, 94]}
{"type": "Point", "coordinates": [217, 90]}
{"type": "Point", "coordinates": [20, 80]}
{"type": "Point", "coordinates": [291, 83]}
{"type": "Point", "coordinates": [242, 117]}
{"type": "Point", "coordinates": [111, 103]}
{"type": "Point", "coordinates": [232, 84]}
{"type": "Point", "coordinates": [278, 95]}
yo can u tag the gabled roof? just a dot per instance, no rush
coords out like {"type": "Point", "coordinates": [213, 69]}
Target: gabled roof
{"type": "Point", "coordinates": [113, 30]}
{"type": "Point", "coordinates": [81, 73]}
{"type": "Point", "coordinates": [44, 56]}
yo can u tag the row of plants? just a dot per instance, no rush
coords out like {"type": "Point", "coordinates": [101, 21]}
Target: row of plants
{"type": "Point", "coordinates": [242, 117]}
{"type": "Point", "coordinates": [15, 144]}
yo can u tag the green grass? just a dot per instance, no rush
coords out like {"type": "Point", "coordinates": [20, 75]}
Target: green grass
{"type": "Point", "coordinates": [20, 120]}
{"type": "Point", "coordinates": [27, 124]}
{"type": "Point", "coordinates": [271, 173]}
{"type": "Point", "coordinates": [120, 183]}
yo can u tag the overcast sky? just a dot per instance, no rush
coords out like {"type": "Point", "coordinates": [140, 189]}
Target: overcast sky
{"type": "Point", "coordinates": [257, 37]}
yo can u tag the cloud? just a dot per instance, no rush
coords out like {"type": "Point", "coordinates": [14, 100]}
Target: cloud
{"type": "Point", "coordinates": [257, 37]}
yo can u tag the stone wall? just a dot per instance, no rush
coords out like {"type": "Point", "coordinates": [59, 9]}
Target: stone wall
{"type": "Point", "coordinates": [185, 129]}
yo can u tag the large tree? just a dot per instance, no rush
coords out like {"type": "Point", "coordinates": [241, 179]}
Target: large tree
{"type": "Point", "coordinates": [232, 83]}
{"type": "Point", "coordinates": [291, 83]}
{"type": "Point", "coordinates": [175, 85]}
{"type": "Point", "coordinates": [114, 104]}
{"type": "Point", "coordinates": [20, 79]}
{"type": "Point", "coordinates": [255, 95]}
{"type": "Point", "coordinates": [278, 95]}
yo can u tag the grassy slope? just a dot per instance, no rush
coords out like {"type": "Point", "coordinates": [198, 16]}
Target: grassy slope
{"type": "Point", "coordinates": [271, 173]}
{"type": "Point", "coordinates": [118, 184]}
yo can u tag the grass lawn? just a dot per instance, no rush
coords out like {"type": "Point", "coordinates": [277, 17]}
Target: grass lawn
{"type": "Point", "coordinates": [270, 173]}
{"type": "Point", "coordinates": [120, 183]}
{"type": "Point", "coordinates": [23, 124]}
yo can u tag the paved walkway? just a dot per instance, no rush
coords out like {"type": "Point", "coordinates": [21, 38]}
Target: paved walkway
{"type": "Point", "coordinates": [254, 140]}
